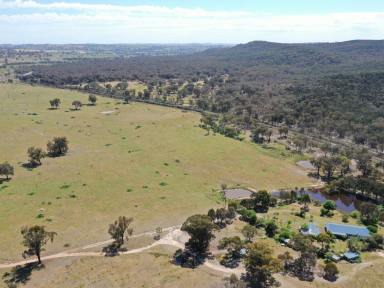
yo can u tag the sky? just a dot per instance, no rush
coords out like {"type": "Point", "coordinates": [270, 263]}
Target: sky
{"type": "Point", "coordinates": [183, 21]}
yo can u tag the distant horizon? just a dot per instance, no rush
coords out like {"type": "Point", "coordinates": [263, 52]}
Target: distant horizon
{"type": "Point", "coordinates": [191, 43]}
{"type": "Point", "coordinates": [194, 21]}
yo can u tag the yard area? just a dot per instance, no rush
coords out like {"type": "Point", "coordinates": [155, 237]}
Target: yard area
{"type": "Point", "coordinates": [368, 273]}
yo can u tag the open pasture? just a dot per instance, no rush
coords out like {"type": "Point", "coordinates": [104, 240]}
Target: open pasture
{"type": "Point", "coordinates": [149, 162]}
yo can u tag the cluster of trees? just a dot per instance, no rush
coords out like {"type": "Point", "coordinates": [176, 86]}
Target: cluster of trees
{"type": "Point", "coordinates": [335, 164]}
{"type": "Point", "coordinates": [56, 102]}
{"type": "Point", "coordinates": [260, 201]}
{"type": "Point", "coordinates": [303, 266]}
{"type": "Point", "coordinates": [330, 164]}
{"type": "Point", "coordinates": [200, 229]}
{"type": "Point", "coordinates": [328, 207]}
{"type": "Point", "coordinates": [221, 125]}
{"type": "Point", "coordinates": [222, 216]}
{"type": "Point", "coordinates": [57, 147]}
{"type": "Point", "coordinates": [259, 260]}
{"type": "Point", "coordinates": [261, 133]}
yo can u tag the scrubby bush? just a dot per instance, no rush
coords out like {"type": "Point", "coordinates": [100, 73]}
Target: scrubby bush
{"type": "Point", "coordinates": [355, 214]}
{"type": "Point", "coordinates": [248, 215]}
{"type": "Point", "coordinates": [372, 228]}
{"type": "Point", "coordinates": [330, 271]}
{"type": "Point", "coordinates": [92, 99]}
{"type": "Point", "coordinates": [271, 228]}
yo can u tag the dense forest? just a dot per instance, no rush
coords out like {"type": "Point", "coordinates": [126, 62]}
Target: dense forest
{"type": "Point", "coordinates": [333, 89]}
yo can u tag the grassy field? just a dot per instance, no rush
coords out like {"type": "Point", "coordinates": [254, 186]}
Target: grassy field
{"type": "Point", "coordinates": [149, 162]}
{"type": "Point", "coordinates": [153, 268]}
{"type": "Point", "coordinates": [149, 269]}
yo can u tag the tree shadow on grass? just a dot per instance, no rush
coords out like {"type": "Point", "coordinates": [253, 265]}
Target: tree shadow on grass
{"type": "Point", "coordinates": [188, 259]}
{"type": "Point", "coordinates": [113, 249]}
{"type": "Point", "coordinates": [29, 166]}
{"type": "Point", "coordinates": [2, 180]}
{"type": "Point", "coordinates": [20, 274]}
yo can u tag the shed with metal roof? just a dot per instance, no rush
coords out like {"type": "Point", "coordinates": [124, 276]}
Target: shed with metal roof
{"type": "Point", "coordinates": [344, 230]}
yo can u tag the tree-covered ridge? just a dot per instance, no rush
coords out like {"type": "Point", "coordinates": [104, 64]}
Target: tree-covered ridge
{"type": "Point", "coordinates": [254, 60]}
{"type": "Point", "coordinates": [330, 88]}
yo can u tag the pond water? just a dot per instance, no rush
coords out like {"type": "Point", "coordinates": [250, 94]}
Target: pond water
{"type": "Point", "coordinates": [344, 202]}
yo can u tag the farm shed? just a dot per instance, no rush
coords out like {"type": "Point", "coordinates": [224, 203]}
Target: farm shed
{"type": "Point", "coordinates": [344, 230]}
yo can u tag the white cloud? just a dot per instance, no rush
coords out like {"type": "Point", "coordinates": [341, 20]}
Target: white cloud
{"type": "Point", "coordinates": [55, 22]}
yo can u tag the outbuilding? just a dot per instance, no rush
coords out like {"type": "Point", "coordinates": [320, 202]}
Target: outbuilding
{"type": "Point", "coordinates": [351, 256]}
{"type": "Point", "coordinates": [344, 230]}
{"type": "Point", "coordinates": [312, 230]}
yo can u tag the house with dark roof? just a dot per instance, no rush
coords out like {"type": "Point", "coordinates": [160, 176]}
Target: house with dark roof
{"type": "Point", "coordinates": [344, 230]}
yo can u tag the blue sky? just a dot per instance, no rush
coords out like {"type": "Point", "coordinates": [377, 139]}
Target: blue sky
{"type": "Point", "coordinates": [182, 21]}
{"type": "Point", "coordinates": [273, 6]}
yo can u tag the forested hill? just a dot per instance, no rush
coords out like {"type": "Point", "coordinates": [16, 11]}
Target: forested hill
{"type": "Point", "coordinates": [263, 49]}
{"type": "Point", "coordinates": [322, 57]}
{"type": "Point", "coordinates": [332, 88]}
{"type": "Point", "coordinates": [255, 60]}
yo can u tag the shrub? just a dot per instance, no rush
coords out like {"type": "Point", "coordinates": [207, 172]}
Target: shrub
{"type": "Point", "coordinates": [372, 228]}
{"type": "Point", "coordinates": [329, 205]}
{"type": "Point", "coordinates": [330, 271]}
{"type": "Point", "coordinates": [325, 212]}
{"type": "Point", "coordinates": [355, 214]}
{"type": "Point", "coordinates": [248, 215]}
{"type": "Point", "coordinates": [271, 229]}
{"type": "Point", "coordinates": [345, 218]}
{"type": "Point", "coordinates": [305, 227]}
{"type": "Point", "coordinates": [285, 233]}
{"type": "Point", "coordinates": [77, 104]}
{"type": "Point", "coordinates": [92, 99]}
{"type": "Point", "coordinates": [355, 244]}
{"type": "Point", "coordinates": [233, 204]}
{"type": "Point", "coordinates": [373, 242]}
